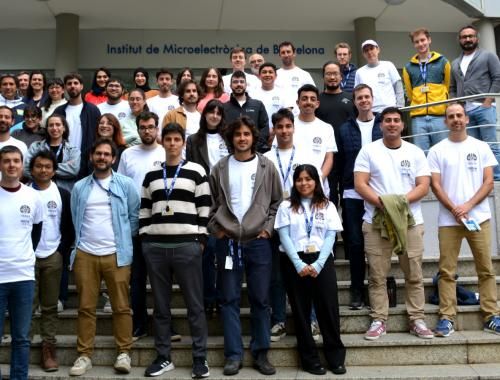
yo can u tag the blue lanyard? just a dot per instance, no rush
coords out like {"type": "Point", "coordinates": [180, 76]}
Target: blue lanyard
{"type": "Point", "coordinates": [285, 177]}
{"type": "Point", "coordinates": [168, 190]}
{"type": "Point", "coordinates": [107, 191]}
{"type": "Point", "coordinates": [58, 149]}
{"type": "Point", "coordinates": [423, 71]}
{"type": "Point", "coordinates": [230, 242]}
{"type": "Point", "coordinates": [344, 82]}
{"type": "Point", "coordinates": [309, 223]}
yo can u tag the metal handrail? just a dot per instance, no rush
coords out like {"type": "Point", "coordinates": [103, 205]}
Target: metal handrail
{"type": "Point", "coordinates": [452, 100]}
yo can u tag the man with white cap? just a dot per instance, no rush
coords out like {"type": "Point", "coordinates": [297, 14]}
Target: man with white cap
{"type": "Point", "coordinates": [382, 77]}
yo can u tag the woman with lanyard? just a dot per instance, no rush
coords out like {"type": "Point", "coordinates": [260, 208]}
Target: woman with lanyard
{"type": "Point", "coordinates": [307, 224]}
{"type": "Point", "coordinates": [68, 157]}
{"type": "Point", "coordinates": [206, 147]}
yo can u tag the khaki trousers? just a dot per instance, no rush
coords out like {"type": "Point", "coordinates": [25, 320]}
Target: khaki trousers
{"type": "Point", "coordinates": [89, 270]}
{"type": "Point", "coordinates": [378, 253]}
{"type": "Point", "coordinates": [450, 241]}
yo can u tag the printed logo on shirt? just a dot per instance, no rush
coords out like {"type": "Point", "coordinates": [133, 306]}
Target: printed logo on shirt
{"type": "Point", "coordinates": [249, 110]}
{"type": "Point", "coordinates": [472, 163]}
{"type": "Point", "coordinates": [25, 209]}
{"type": "Point", "coordinates": [121, 115]}
{"type": "Point", "coordinates": [319, 219]}
{"type": "Point", "coordinates": [171, 107]}
{"type": "Point", "coordinates": [346, 101]}
{"type": "Point", "coordinates": [51, 209]}
{"type": "Point", "coordinates": [157, 163]}
{"type": "Point", "coordinates": [25, 217]}
{"type": "Point", "coordinates": [406, 168]}
{"type": "Point", "coordinates": [381, 77]}
{"type": "Point", "coordinates": [295, 166]}
{"type": "Point", "coordinates": [317, 141]}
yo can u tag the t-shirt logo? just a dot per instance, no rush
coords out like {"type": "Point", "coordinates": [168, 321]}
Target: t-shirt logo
{"type": "Point", "coordinates": [319, 216]}
{"type": "Point", "coordinates": [25, 209]}
{"type": "Point", "coordinates": [406, 168]}
{"type": "Point", "coordinates": [121, 115]}
{"type": "Point", "coordinates": [253, 177]}
{"type": "Point", "coordinates": [317, 140]}
{"type": "Point", "coordinates": [51, 205]}
{"type": "Point", "coordinates": [345, 101]}
{"type": "Point", "coordinates": [170, 108]}
{"type": "Point", "coordinates": [471, 157]}
{"type": "Point", "coordinates": [294, 166]}
{"type": "Point", "coordinates": [405, 164]}
{"type": "Point", "coordinates": [157, 163]}
{"type": "Point", "coordinates": [472, 163]}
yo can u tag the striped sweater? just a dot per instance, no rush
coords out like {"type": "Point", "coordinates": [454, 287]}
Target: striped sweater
{"type": "Point", "coordinates": [189, 200]}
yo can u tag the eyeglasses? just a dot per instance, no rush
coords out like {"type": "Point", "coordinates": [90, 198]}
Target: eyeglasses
{"type": "Point", "coordinates": [148, 128]}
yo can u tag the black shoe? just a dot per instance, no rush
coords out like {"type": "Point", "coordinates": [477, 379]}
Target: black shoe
{"type": "Point", "coordinates": [200, 368]}
{"type": "Point", "coordinates": [356, 300]}
{"type": "Point", "coordinates": [316, 369]}
{"type": "Point", "coordinates": [138, 334]}
{"type": "Point", "coordinates": [261, 364]}
{"type": "Point", "coordinates": [174, 335]}
{"type": "Point", "coordinates": [339, 370]}
{"type": "Point", "coordinates": [232, 367]}
{"type": "Point", "coordinates": [209, 310]}
{"type": "Point", "coordinates": [159, 366]}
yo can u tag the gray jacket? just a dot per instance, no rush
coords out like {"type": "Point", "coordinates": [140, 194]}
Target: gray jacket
{"type": "Point", "coordinates": [482, 76]}
{"type": "Point", "coordinates": [266, 198]}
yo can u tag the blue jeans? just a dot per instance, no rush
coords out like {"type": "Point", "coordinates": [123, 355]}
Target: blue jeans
{"type": "Point", "coordinates": [426, 124]}
{"type": "Point", "coordinates": [18, 297]}
{"type": "Point", "coordinates": [211, 287]}
{"type": "Point", "coordinates": [481, 116]}
{"type": "Point", "coordinates": [256, 262]}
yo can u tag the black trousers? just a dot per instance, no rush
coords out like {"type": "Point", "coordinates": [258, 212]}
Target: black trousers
{"type": "Point", "coordinates": [321, 291]}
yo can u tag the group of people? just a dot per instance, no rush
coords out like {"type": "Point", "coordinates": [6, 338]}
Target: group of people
{"type": "Point", "coordinates": [241, 175]}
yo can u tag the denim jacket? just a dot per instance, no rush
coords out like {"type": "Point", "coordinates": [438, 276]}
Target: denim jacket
{"type": "Point", "coordinates": [125, 202]}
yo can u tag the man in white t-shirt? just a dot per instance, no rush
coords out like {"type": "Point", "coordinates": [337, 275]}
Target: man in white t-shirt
{"type": "Point", "coordinates": [238, 58]}
{"type": "Point", "coordinates": [52, 252]}
{"type": "Point", "coordinates": [355, 133]}
{"type": "Point", "coordinates": [273, 97]}
{"type": "Point", "coordinates": [114, 104]}
{"type": "Point", "coordinates": [6, 122]}
{"type": "Point", "coordinates": [291, 77]}
{"type": "Point", "coordinates": [462, 178]}
{"type": "Point", "coordinates": [105, 211]}
{"type": "Point", "coordinates": [255, 61]}
{"type": "Point", "coordinates": [20, 230]}
{"type": "Point", "coordinates": [165, 101]}
{"type": "Point", "coordinates": [135, 162]}
{"type": "Point", "coordinates": [382, 77]}
{"type": "Point", "coordinates": [391, 166]}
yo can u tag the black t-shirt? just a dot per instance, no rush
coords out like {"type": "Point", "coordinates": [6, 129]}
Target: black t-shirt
{"type": "Point", "coordinates": [335, 109]}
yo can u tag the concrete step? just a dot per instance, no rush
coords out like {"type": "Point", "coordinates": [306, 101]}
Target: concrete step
{"type": "Point", "coordinates": [465, 347]}
{"type": "Point", "coordinates": [351, 321]}
{"type": "Point", "coordinates": [343, 292]}
{"type": "Point", "coordinates": [409, 372]}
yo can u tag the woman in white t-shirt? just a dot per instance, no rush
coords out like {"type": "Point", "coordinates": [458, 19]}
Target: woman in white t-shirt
{"type": "Point", "coordinates": [307, 224]}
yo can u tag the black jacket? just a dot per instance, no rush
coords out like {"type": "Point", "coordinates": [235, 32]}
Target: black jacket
{"type": "Point", "coordinates": [197, 151]}
{"type": "Point", "coordinates": [67, 230]}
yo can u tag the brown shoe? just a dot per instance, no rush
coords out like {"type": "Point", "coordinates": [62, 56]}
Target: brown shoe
{"type": "Point", "coordinates": [49, 359]}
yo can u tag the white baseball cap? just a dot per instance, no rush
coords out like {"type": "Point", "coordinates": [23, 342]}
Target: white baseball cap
{"type": "Point", "coordinates": [369, 42]}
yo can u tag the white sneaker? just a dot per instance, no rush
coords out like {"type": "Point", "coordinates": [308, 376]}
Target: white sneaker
{"type": "Point", "coordinates": [278, 331]}
{"type": "Point", "coordinates": [315, 331]}
{"type": "Point", "coordinates": [107, 305]}
{"type": "Point", "coordinates": [81, 365]}
{"type": "Point", "coordinates": [60, 306]}
{"type": "Point", "coordinates": [122, 363]}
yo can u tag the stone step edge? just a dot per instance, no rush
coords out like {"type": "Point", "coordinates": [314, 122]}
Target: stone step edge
{"type": "Point", "coordinates": [413, 372]}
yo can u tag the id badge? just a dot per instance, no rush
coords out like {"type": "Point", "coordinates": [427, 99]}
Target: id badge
{"type": "Point", "coordinates": [311, 248]}
{"type": "Point", "coordinates": [229, 263]}
{"type": "Point", "coordinates": [168, 212]}
{"type": "Point", "coordinates": [424, 89]}
{"type": "Point", "coordinates": [286, 195]}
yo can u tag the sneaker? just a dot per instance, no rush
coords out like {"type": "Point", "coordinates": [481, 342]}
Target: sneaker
{"type": "Point", "coordinates": [277, 332]}
{"type": "Point", "coordinates": [356, 300]}
{"type": "Point", "coordinates": [200, 368]}
{"type": "Point", "coordinates": [107, 305]}
{"type": "Point", "coordinates": [174, 335]}
{"type": "Point", "coordinates": [60, 306]}
{"type": "Point", "coordinates": [138, 334]}
{"type": "Point", "coordinates": [419, 328]}
{"type": "Point", "coordinates": [315, 330]}
{"type": "Point", "coordinates": [159, 366]}
{"type": "Point", "coordinates": [492, 325]}
{"type": "Point", "coordinates": [81, 365]}
{"type": "Point", "coordinates": [444, 328]}
{"type": "Point", "coordinates": [122, 363]}
{"type": "Point", "coordinates": [376, 330]}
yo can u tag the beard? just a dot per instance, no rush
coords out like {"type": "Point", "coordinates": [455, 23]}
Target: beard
{"type": "Point", "coordinates": [332, 87]}
{"type": "Point", "coordinates": [469, 46]}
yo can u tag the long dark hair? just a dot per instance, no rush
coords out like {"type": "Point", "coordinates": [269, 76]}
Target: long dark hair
{"type": "Point", "coordinates": [319, 199]}
{"type": "Point", "coordinates": [65, 135]}
{"type": "Point", "coordinates": [237, 124]}
{"type": "Point", "coordinates": [219, 89]}
{"type": "Point", "coordinates": [29, 92]}
{"type": "Point", "coordinates": [212, 105]}
{"type": "Point", "coordinates": [96, 90]}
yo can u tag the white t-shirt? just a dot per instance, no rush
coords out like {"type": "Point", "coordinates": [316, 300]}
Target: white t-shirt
{"type": "Point", "coordinates": [161, 106]}
{"type": "Point", "coordinates": [392, 171]}
{"type": "Point", "coordinates": [15, 142]}
{"type": "Point", "coordinates": [75, 124]}
{"type": "Point", "coordinates": [299, 158]}
{"type": "Point", "coordinates": [464, 65]}
{"type": "Point", "coordinates": [461, 165]}
{"type": "Point", "coordinates": [19, 211]}
{"type": "Point", "coordinates": [381, 79]}
{"type": "Point", "coordinates": [192, 122]}
{"type": "Point", "coordinates": [273, 100]}
{"type": "Point", "coordinates": [217, 149]}
{"type": "Point", "coordinates": [326, 219]}
{"type": "Point", "coordinates": [136, 162]}
{"type": "Point", "coordinates": [241, 184]}
{"type": "Point", "coordinates": [121, 110]}
{"type": "Point", "coordinates": [252, 83]}
{"type": "Point", "coordinates": [293, 79]}
{"type": "Point", "coordinates": [97, 236]}
{"type": "Point", "coordinates": [51, 228]}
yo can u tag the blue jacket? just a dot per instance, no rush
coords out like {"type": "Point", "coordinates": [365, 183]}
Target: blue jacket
{"type": "Point", "coordinates": [125, 203]}
{"type": "Point", "coordinates": [349, 145]}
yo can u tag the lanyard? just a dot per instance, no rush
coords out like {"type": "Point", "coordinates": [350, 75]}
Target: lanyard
{"type": "Point", "coordinates": [283, 175]}
{"type": "Point", "coordinates": [309, 222]}
{"type": "Point", "coordinates": [230, 242]}
{"type": "Point", "coordinates": [343, 83]}
{"type": "Point", "coordinates": [58, 149]}
{"type": "Point", "coordinates": [108, 191]}
{"type": "Point", "coordinates": [423, 68]}
{"type": "Point", "coordinates": [168, 190]}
